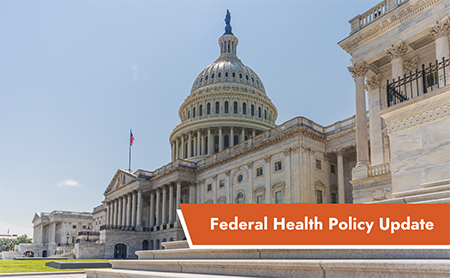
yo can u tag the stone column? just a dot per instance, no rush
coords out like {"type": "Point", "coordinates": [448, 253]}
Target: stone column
{"type": "Point", "coordinates": [119, 212]}
{"type": "Point", "coordinates": [158, 207]}
{"type": "Point", "coordinates": [41, 234]}
{"type": "Point", "coordinates": [108, 213]}
{"type": "Point", "coordinates": [267, 172]}
{"type": "Point", "coordinates": [305, 184]}
{"type": "Point", "coordinates": [194, 138]}
{"type": "Point", "coordinates": [202, 149]}
{"type": "Point", "coordinates": [220, 139]}
{"type": "Point", "coordinates": [191, 193]}
{"type": "Point", "coordinates": [209, 142]}
{"type": "Point", "coordinates": [231, 139]}
{"type": "Point", "coordinates": [177, 149]}
{"type": "Point", "coordinates": [183, 153]}
{"type": "Point", "coordinates": [358, 72]}
{"type": "Point", "coordinates": [340, 175]}
{"type": "Point", "coordinates": [189, 145]}
{"type": "Point", "coordinates": [124, 211]}
{"type": "Point", "coordinates": [199, 147]}
{"type": "Point", "coordinates": [287, 175]}
{"type": "Point", "coordinates": [253, 133]}
{"type": "Point", "coordinates": [440, 32]}
{"type": "Point", "coordinates": [152, 209]}
{"type": "Point", "coordinates": [178, 198]}
{"type": "Point", "coordinates": [171, 202]}
{"type": "Point", "coordinates": [243, 135]}
{"type": "Point", "coordinates": [395, 53]}
{"type": "Point", "coordinates": [171, 152]}
{"type": "Point", "coordinates": [164, 207]}
{"type": "Point", "coordinates": [133, 210]}
{"type": "Point", "coordinates": [198, 192]}
{"type": "Point", "coordinates": [128, 210]}
{"type": "Point", "coordinates": [115, 213]}
{"type": "Point", "coordinates": [376, 138]}
{"type": "Point", "coordinates": [327, 171]}
{"type": "Point", "coordinates": [53, 242]}
{"type": "Point", "coordinates": [312, 169]}
{"type": "Point", "coordinates": [140, 208]}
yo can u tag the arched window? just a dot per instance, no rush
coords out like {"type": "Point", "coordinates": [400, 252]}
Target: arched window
{"type": "Point", "coordinates": [145, 245]}
{"type": "Point", "coordinates": [200, 110]}
{"type": "Point", "coordinates": [226, 106]}
{"type": "Point", "coordinates": [192, 148]}
{"type": "Point", "coordinates": [233, 74]}
{"type": "Point", "coordinates": [226, 142]}
{"type": "Point", "coordinates": [185, 149]}
{"type": "Point", "coordinates": [226, 74]}
{"type": "Point", "coordinates": [244, 108]}
{"type": "Point", "coordinates": [235, 106]}
{"type": "Point", "coordinates": [240, 75]}
{"type": "Point", "coordinates": [208, 109]}
{"type": "Point", "coordinates": [206, 144]}
{"type": "Point", "coordinates": [217, 107]}
{"type": "Point", "coordinates": [193, 113]}
{"type": "Point", "coordinates": [240, 198]}
{"type": "Point", "coordinates": [216, 144]}
{"type": "Point", "coordinates": [265, 114]}
{"type": "Point", "coordinates": [157, 244]}
{"type": "Point", "coordinates": [151, 245]}
{"type": "Point", "coordinates": [189, 114]}
{"type": "Point", "coordinates": [253, 110]}
{"type": "Point", "coordinates": [259, 112]}
{"type": "Point", "coordinates": [236, 140]}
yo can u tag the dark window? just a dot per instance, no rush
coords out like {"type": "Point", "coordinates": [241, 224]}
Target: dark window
{"type": "Point", "coordinates": [244, 108]}
{"type": "Point", "coordinates": [256, 81]}
{"type": "Point", "coordinates": [206, 144]}
{"type": "Point", "coordinates": [192, 148]}
{"type": "Point", "coordinates": [259, 112]}
{"type": "Point", "coordinates": [253, 110]}
{"type": "Point", "coordinates": [212, 76]}
{"type": "Point", "coordinates": [226, 106]}
{"type": "Point", "coordinates": [189, 114]}
{"type": "Point", "coordinates": [319, 196]}
{"type": "Point", "coordinates": [240, 178]}
{"type": "Point", "coordinates": [278, 197]}
{"type": "Point", "coordinates": [193, 113]}
{"type": "Point", "coordinates": [222, 184]}
{"type": "Point", "coordinates": [200, 110]}
{"type": "Point", "coordinates": [240, 75]}
{"type": "Point", "coordinates": [145, 245]}
{"type": "Point", "coordinates": [246, 77]}
{"type": "Point", "coordinates": [265, 114]}
{"type": "Point", "coordinates": [259, 171]}
{"type": "Point", "coordinates": [431, 79]}
{"type": "Point", "coordinates": [206, 78]}
{"type": "Point", "coordinates": [226, 74]}
{"type": "Point", "coordinates": [236, 140]}
{"type": "Point", "coordinates": [333, 168]}
{"type": "Point", "coordinates": [217, 107]}
{"type": "Point", "coordinates": [318, 164]}
{"type": "Point", "coordinates": [333, 198]}
{"type": "Point", "coordinates": [219, 74]}
{"type": "Point", "coordinates": [234, 74]}
{"type": "Point", "coordinates": [216, 144]}
{"type": "Point", "coordinates": [253, 80]}
{"type": "Point", "coordinates": [240, 198]}
{"type": "Point", "coordinates": [208, 109]}
{"type": "Point", "coordinates": [259, 199]}
{"type": "Point", "coordinates": [208, 187]}
{"type": "Point", "coordinates": [226, 142]}
{"type": "Point", "coordinates": [235, 107]}
{"type": "Point", "coordinates": [278, 166]}
{"type": "Point", "coordinates": [186, 150]}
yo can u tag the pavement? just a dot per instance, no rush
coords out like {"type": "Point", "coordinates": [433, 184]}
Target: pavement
{"type": "Point", "coordinates": [59, 274]}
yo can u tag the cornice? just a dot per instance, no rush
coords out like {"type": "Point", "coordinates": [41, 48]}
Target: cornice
{"type": "Point", "coordinates": [366, 35]}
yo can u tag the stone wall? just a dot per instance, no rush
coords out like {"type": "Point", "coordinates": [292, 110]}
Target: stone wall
{"type": "Point", "coordinates": [89, 251]}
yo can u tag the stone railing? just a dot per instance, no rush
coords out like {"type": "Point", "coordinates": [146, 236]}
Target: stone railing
{"type": "Point", "coordinates": [373, 14]}
{"type": "Point", "coordinates": [379, 169]}
{"type": "Point", "coordinates": [341, 125]}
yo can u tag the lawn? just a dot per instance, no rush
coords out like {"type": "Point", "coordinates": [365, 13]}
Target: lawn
{"type": "Point", "coordinates": [10, 266]}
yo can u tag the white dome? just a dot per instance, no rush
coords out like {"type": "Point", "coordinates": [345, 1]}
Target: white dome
{"type": "Point", "coordinates": [228, 69]}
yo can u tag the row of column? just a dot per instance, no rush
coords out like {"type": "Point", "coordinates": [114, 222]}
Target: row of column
{"type": "Point", "coordinates": [160, 218]}
{"type": "Point", "coordinates": [125, 212]}
{"type": "Point", "coordinates": [203, 143]}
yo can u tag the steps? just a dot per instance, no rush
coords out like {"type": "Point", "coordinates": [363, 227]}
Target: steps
{"type": "Point", "coordinates": [280, 263]}
{"type": "Point", "coordinates": [437, 192]}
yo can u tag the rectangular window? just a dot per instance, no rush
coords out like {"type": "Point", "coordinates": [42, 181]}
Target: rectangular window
{"type": "Point", "coordinates": [84, 227]}
{"type": "Point", "coordinates": [333, 168]}
{"type": "Point", "coordinates": [222, 183]}
{"type": "Point", "coordinates": [259, 171]}
{"type": "Point", "coordinates": [74, 226]}
{"type": "Point", "coordinates": [278, 198]}
{"type": "Point", "coordinates": [208, 187]}
{"type": "Point", "coordinates": [431, 79]}
{"type": "Point", "coordinates": [259, 199]}
{"type": "Point", "coordinates": [318, 164]}
{"type": "Point", "coordinates": [278, 166]}
{"type": "Point", "coordinates": [333, 198]}
{"type": "Point", "coordinates": [319, 196]}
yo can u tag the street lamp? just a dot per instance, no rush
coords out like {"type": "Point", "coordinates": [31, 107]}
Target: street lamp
{"type": "Point", "coordinates": [67, 242]}
{"type": "Point", "coordinates": [88, 234]}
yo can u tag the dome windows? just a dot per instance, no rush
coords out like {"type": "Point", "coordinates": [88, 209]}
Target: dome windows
{"type": "Point", "coordinates": [253, 80]}
{"type": "Point", "coordinates": [265, 114]}
{"type": "Point", "coordinates": [253, 110]}
{"type": "Point", "coordinates": [200, 111]}
{"type": "Point", "coordinates": [235, 107]}
{"type": "Point", "coordinates": [193, 113]}
{"type": "Point", "coordinates": [226, 74]}
{"type": "Point", "coordinates": [217, 107]}
{"type": "Point", "coordinates": [233, 74]}
{"type": "Point", "coordinates": [212, 76]}
{"type": "Point", "coordinates": [246, 77]}
{"type": "Point", "coordinates": [219, 74]}
{"type": "Point", "coordinates": [226, 107]}
{"type": "Point", "coordinates": [257, 82]}
{"type": "Point", "coordinates": [240, 75]}
{"type": "Point", "coordinates": [206, 78]}
{"type": "Point", "coordinates": [208, 109]}
{"type": "Point", "coordinates": [244, 108]}
{"type": "Point", "coordinates": [259, 112]}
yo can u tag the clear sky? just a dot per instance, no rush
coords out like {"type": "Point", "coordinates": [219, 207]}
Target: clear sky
{"type": "Point", "coordinates": [75, 76]}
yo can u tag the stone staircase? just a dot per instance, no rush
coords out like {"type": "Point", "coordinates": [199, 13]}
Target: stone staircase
{"type": "Point", "coordinates": [188, 263]}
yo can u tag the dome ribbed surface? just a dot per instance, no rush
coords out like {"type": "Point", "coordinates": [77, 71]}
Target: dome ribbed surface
{"type": "Point", "coordinates": [228, 69]}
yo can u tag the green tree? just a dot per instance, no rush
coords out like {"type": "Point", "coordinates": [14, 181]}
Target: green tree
{"type": "Point", "coordinates": [7, 244]}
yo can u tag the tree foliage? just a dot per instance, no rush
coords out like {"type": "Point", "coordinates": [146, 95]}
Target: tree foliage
{"type": "Point", "coordinates": [7, 244]}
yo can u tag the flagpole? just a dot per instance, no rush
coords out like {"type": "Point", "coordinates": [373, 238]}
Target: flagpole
{"type": "Point", "coordinates": [129, 154]}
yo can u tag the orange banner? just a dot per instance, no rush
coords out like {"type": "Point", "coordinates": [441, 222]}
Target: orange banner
{"type": "Point", "coordinates": [313, 224]}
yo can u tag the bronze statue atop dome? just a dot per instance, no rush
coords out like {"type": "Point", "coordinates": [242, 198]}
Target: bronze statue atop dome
{"type": "Point", "coordinates": [227, 22]}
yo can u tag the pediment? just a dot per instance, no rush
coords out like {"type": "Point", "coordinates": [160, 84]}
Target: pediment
{"type": "Point", "coordinates": [121, 178]}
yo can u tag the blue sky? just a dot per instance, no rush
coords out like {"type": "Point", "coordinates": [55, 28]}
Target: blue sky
{"type": "Point", "coordinates": [75, 76]}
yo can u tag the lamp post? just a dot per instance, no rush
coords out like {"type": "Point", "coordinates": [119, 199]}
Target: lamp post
{"type": "Point", "coordinates": [67, 242]}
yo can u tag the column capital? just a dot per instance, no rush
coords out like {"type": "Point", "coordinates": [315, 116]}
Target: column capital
{"type": "Point", "coordinates": [227, 173]}
{"type": "Point", "coordinates": [326, 157]}
{"type": "Point", "coordinates": [397, 50]}
{"type": "Point", "coordinates": [440, 28]}
{"type": "Point", "coordinates": [374, 82]}
{"type": "Point", "coordinates": [410, 65]}
{"type": "Point", "coordinates": [359, 69]}
{"type": "Point", "coordinates": [339, 152]}
{"type": "Point", "coordinates": [295, 149]}
{"type": "Point", "coordinates": [250, 164]}
{"type": "Point", "coordinates": [214, 177]}
{"type": "Point", "coordinates": [267, 158]}
{"type": "Point", "coordinates": [287, 151]}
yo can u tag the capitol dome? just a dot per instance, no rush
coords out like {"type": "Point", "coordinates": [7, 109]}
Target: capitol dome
{"type": "Point", "coordinates": [227, 105]}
